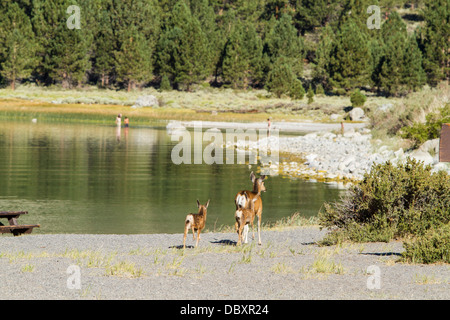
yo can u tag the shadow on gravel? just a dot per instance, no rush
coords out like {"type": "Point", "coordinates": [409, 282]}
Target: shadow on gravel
{"type": "Point", "coordinates": [309, 243]}
{"type": "Point", "coordinates": [181, 247]}
{"type": "Point", "coordinates": [382, 254]}
{"type": "Point", "coordinates": [225, 242]}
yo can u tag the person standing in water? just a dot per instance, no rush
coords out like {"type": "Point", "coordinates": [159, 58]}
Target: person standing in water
{"type": "Point", "coordinates": [119, 126]}
{"type": "Point", "coordinates": [126, 121]}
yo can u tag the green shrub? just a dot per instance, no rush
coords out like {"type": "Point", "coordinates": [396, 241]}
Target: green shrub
{"type": "Point", "coordinates": [165, 84]}
{"type": "Point", "coordinates": [433, 246]}
{"type": "Point", "coordinates": [357, 98]}
{"type": "Point", "coordinates": [320, 90]}
{"type": "Point", "coordinates": [431, 129]}
{"type": "Point", "coordinates": [390, 202]}
{"type": "Point", "coordinates": [297, 92]}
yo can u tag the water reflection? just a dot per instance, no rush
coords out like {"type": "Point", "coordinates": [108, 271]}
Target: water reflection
{"type": "Point", "coordinates": [104, 179]}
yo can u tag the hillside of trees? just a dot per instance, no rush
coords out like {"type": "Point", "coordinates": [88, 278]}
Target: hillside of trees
{"type": "Point", "coordinates": [179, 44]}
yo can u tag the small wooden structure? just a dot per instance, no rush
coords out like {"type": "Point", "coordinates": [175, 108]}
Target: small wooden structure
{"type": "Point", "coordinates": [14, 228]}
{"type": "Point", "coordinates": [444, 143]}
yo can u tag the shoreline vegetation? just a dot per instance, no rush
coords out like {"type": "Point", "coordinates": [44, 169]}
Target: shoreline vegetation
{"type": "Point", "coordinates": [208, 105]}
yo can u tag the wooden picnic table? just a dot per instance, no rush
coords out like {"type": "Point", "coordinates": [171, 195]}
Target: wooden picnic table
{"type": "Point", "coordinates": [13, 227]}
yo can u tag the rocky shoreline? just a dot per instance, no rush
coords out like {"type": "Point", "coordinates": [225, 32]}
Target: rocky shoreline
{"type": "Point", "coordinates": [320, 152]}
{"type": "Point", "coordinates": [330, 157]}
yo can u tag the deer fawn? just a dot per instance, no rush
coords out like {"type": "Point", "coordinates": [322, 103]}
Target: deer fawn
{"type": "Point", "coordinates": [244, 216]}
{"type": "Point", "coordinates": [244, 197]}
{"type": "Point", "coordinates": [195, 222]}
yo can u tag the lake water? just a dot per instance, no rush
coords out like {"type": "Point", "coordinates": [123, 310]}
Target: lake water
{"type": "Point", "coordinates": [84, 178]}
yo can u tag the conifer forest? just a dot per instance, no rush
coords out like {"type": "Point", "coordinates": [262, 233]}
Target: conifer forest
{"type": "Point", "coordinates": [284, 46]}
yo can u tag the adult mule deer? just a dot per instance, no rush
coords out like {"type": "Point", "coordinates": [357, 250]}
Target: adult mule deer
{"type": "Point", "coordinates": [244, 197]}
{"type": "Point", "coordinates": [195, 222]}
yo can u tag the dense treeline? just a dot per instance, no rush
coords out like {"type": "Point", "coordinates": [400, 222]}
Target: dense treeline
{"type": "Point", "coordinates": [235, 43]}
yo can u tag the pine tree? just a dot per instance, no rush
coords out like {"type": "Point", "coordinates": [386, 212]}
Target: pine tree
{"type": "Point", "coordinates": [377, 51]}
{"type": "Point", "coordinates": [165, 84]}
{"type": "Point", "coordinates": [355, 10]}
{"type": "Point", "coordinates": [313, 13]}
{"type": "Point", "coordinates": [104, 46]}
{"type": "Point", "coordinates": [349, 65]}
{"type": "Point", "coordinates": [136, 26]}
{"type": "Point", "coordinates": [322, 57]}
{"type": "Point", "coordinates": [276, 9]}
{"type": "Point", "coordinates": [320, 90]}
{"type": "Point", "coordinates": [283, 41]}
{"type": "Point", "coordinates": [414, 76]}
{"type": "Point", "coordinates": [65, 52]}
{"type": "Point", "coordinates": [183, 49]}
{"type": "Point", "coordinates": [133, 59]}
{"type": "Point", "coordinates": [310, 95]}
{"type": "Point", "coordinates": [393, 27]}
{"type": "Point", "coordinates": [204, 13]}
{"type": "Point", "coordinates": [250, 10]}
{"type": "Point", "coordinates": [242, 61]}
{"type": "Point", "coordinates": [68, 60]}
{"type": "Point", "coordinates": [17, 44]}
{"type": "Point", "coordinates": [254, 48]}
{"type": "Point", "coordinates": [435, 42]}
{"type": "Point", "coordinates": [392, 66]}
{"type": "Point", "coordinates": [281, 78]}
{"type": "Point", "coordinates": [297, 92]}
{"type": "Point", "coordinates": [235, 65]}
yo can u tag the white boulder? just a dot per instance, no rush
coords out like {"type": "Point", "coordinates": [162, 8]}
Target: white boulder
{"type": "Point", "coordinates": [356, 114]}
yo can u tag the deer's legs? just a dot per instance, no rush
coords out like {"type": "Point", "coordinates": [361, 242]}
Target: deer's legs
{"type": "Point", "coordinates": [198, 237]}
{"type": "Point", "coordinates": [186, 228]}
{"type": "Point", "coordinates": [244, 234]}
{"type": "Point", "coordinates": [259, 229]}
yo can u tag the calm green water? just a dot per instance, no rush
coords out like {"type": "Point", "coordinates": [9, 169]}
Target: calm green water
{"type": "Point", "coordinates": [94, 179]}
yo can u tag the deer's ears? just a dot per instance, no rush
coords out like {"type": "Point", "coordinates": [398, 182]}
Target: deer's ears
{"type": "Point", "coordinates": [206, 205]}
{"type": "Point", "coordinates": [252, 177]}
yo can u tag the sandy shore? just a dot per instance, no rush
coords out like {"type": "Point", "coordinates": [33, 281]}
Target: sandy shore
{"type": "Point", "coordinates": [288, 265]}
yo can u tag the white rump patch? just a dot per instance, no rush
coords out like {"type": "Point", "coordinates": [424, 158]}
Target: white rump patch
{"type": "Point", "coordinates": [241, 200]}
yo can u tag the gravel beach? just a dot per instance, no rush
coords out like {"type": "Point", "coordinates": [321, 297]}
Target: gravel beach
{"type": "Point", "coordinates": [288, 265]}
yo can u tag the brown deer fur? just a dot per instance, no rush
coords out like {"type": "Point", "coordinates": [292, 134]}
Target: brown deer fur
{"type": "Point", "coordinates": [195, 222]}
{"type": "Point", "coordinates": [244, 197]}
{"type": "Point", "coordinates": [244, 216]}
